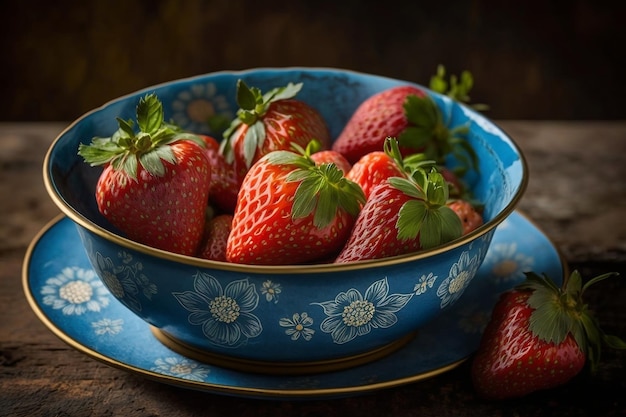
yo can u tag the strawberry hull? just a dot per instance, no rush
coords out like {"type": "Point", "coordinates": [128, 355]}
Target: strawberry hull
{"type": "Point", "coordinates": [282, 319]}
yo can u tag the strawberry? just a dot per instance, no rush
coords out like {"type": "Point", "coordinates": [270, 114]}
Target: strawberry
{"type": "Point", "coordinates": [269, 122]}
{"type": "Point", "coordinates": [329, 156]}
{"type": "Point", "coordinates": [155, 184]}
{"type": "Point", "coordinates": [469, 215]}
{"type": "Point", "coordinates": [403, 215]}
{"type": "Point", "coordinates": [408, 113]}
{"type": "Point", "coordinates": [292, 211]}
{"type": "Point", "coordinates": [224, 182]}
{"type": "Point", "coordinates": [540, 336]}
{"type": "Point", "coordinates": [215, 237]}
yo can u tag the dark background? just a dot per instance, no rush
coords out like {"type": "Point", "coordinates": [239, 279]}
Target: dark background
{"type": "Point", "coordinates": [530, 59]}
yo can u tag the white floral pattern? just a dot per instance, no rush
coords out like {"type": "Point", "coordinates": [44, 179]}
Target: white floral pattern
{"type": "Point", "coordinates": [351, 314]}
{"type": "Point", "coordinates": [461, 273]}
{"type": "Point", "coordinates": [271, 291]}
{"type": "Point", "coordinates": [195, 107]}
{"type": "Point", "coordinates": [425, 282]}
{"type": "Point", "coordinates": [507, 264]}
{"type": "Point", "coordinates": [225, 315]}
{"type": "Point", "coordinates": [75, 291]}
{"type": "Point", "coordinates": [181, 368]}
{"type": "Point", "coordinates": [298, 325]}
{"type": "Point", "coordinates": [107, 326]}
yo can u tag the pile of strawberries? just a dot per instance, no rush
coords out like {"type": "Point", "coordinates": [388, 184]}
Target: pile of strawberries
{"type": "Point", "coordinates": [277, 190]}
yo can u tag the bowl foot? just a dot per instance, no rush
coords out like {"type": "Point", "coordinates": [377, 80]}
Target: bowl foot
{"type": "Point", "coordinates": [277, 368]}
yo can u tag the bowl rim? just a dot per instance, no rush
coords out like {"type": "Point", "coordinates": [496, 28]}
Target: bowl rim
{"type": "Point", "coordinates": [127, 243]}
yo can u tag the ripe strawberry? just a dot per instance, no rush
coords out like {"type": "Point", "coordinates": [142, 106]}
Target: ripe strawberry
{"type": "Point", "coordinates": [155, 183]}
{"type": "Point", "coordinates": [269, 122]}
{"type": "Point", "coordinates": [216, 233]}
{"type": "Point", "coordinates": [402, 215]}
{"type": "Point", "coordinates": [539, 336]}
{"type": "Point", "coordinates": [224, 182]}
{"type": "Point", "coordinates": [329, 156]}
{"type": "Point", "coordinates": [470, 217]}
{"type": "Point", "coordinates": [292, 211]}
{"type": "Point", "coordinates": [408, 113]}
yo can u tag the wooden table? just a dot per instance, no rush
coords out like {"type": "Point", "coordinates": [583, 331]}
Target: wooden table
{"type": "Point", "coordinates": [576, 194]}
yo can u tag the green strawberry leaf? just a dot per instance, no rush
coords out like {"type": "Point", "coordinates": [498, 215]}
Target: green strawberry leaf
{"type": "Point", "coordinates": [149, 113]}
{"type": "Point", "coordinates": [322, 189]}
{"type": "Point", "coordinates": [149, 146]}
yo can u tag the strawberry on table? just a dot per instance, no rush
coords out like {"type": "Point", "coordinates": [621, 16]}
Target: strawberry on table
{"type": "Point", "coordinates": [291, 210]}
{"type": "Point", "coordinates": [269, 122]}
{"type": "Point", "coordinates": [155, 184]}
{"type": "Point", "coordinates": [540, 336]}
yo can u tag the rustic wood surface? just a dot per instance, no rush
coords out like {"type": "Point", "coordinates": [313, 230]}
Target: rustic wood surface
{"type": "Point", "coordinates": [576, 194]}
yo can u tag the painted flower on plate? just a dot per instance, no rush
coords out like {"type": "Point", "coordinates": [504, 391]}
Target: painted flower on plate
{"type": "Point", "coordinates": [107, 326]}
{"type": "Point", "coordinates": [352, 314]}
{"type": "Point", "coordinates": [181, 368]}
{"type": "Point", "coordinates": [507, 264]}
{"type": "Point", "coordinates": [225, 315]}
{"type": "Point", "coordinates": [75, 291]}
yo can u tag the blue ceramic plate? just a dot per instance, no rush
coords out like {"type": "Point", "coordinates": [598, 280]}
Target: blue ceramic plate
{"type": "Point", "coordinates": [70, 299]}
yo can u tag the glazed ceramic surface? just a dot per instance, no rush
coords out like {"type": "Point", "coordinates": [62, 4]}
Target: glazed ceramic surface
{"type": "Point", "coordinates": [288, 315]}
{"type": "Point", "coordinates": [67, 295]}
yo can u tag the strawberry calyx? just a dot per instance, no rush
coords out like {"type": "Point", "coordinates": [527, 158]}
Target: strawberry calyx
{"type": "Point", "coordinates": [426, 213]}
{"type": "Point", "coordinates": [253, 105]}
{"type": "Point", "coordinates": [429, 133]}
{"type": "Point", "coordinates": [560, 311]}
{"type": "Point", "coordinates": [322, 189]}
{"type": "Point", "coordinates": [149, 147]}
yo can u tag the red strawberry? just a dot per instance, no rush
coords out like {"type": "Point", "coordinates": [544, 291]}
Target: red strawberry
{"type": "Point", "coordinates": [402, 215]}
{"type": "Point", "coordinates": [292, 211]}
{"type": "Point", "coordinates": [378, 117]}
{"type": "Point", "coordinates": [224, 182]}
{"type": "Point", "coordinates": [329, 156]}
{"type": "Point", "coordinates": [269, 122]}
{"type": "Point", "coordinates": [155, 183]}
{"type": "Point", "coordinates": [540, 336]}
{"type": "Point", "coordinates": [412, 116]}
{"type": "Point", "coordinates": [215, 237]}
{"type": "Point", "coordinates": [470, 217]}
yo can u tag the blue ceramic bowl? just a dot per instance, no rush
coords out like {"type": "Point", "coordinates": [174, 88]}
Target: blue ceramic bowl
{"type": "Point", "coordinates": [281, 319]}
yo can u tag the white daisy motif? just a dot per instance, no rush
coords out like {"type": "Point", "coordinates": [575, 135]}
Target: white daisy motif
{"type": "Point", "coordinates": [461, 273]}
{"type": "Point", "coordinates": [119, 280]}
{"type": "Point", "coordinates": [298, 325]}
{"type": "Point", "coordinates": [425, 282]}
{"type": "Point", "coordinates": [107, 326]}
{"type": "Point", "coordinates": [271, 290]}
{"type": "Point", "coordinates": [199, 107]}
{"type": "Point", "coordinates": [75, 291]}
{"type": "Point", "coordinates": [507, 264]}
{"type": "Point", "coordinates": [181, 368]}
{"type": "Point", "coordinates": [351, 314]}
{"type": "Point", "coordinates": [224, 314]}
